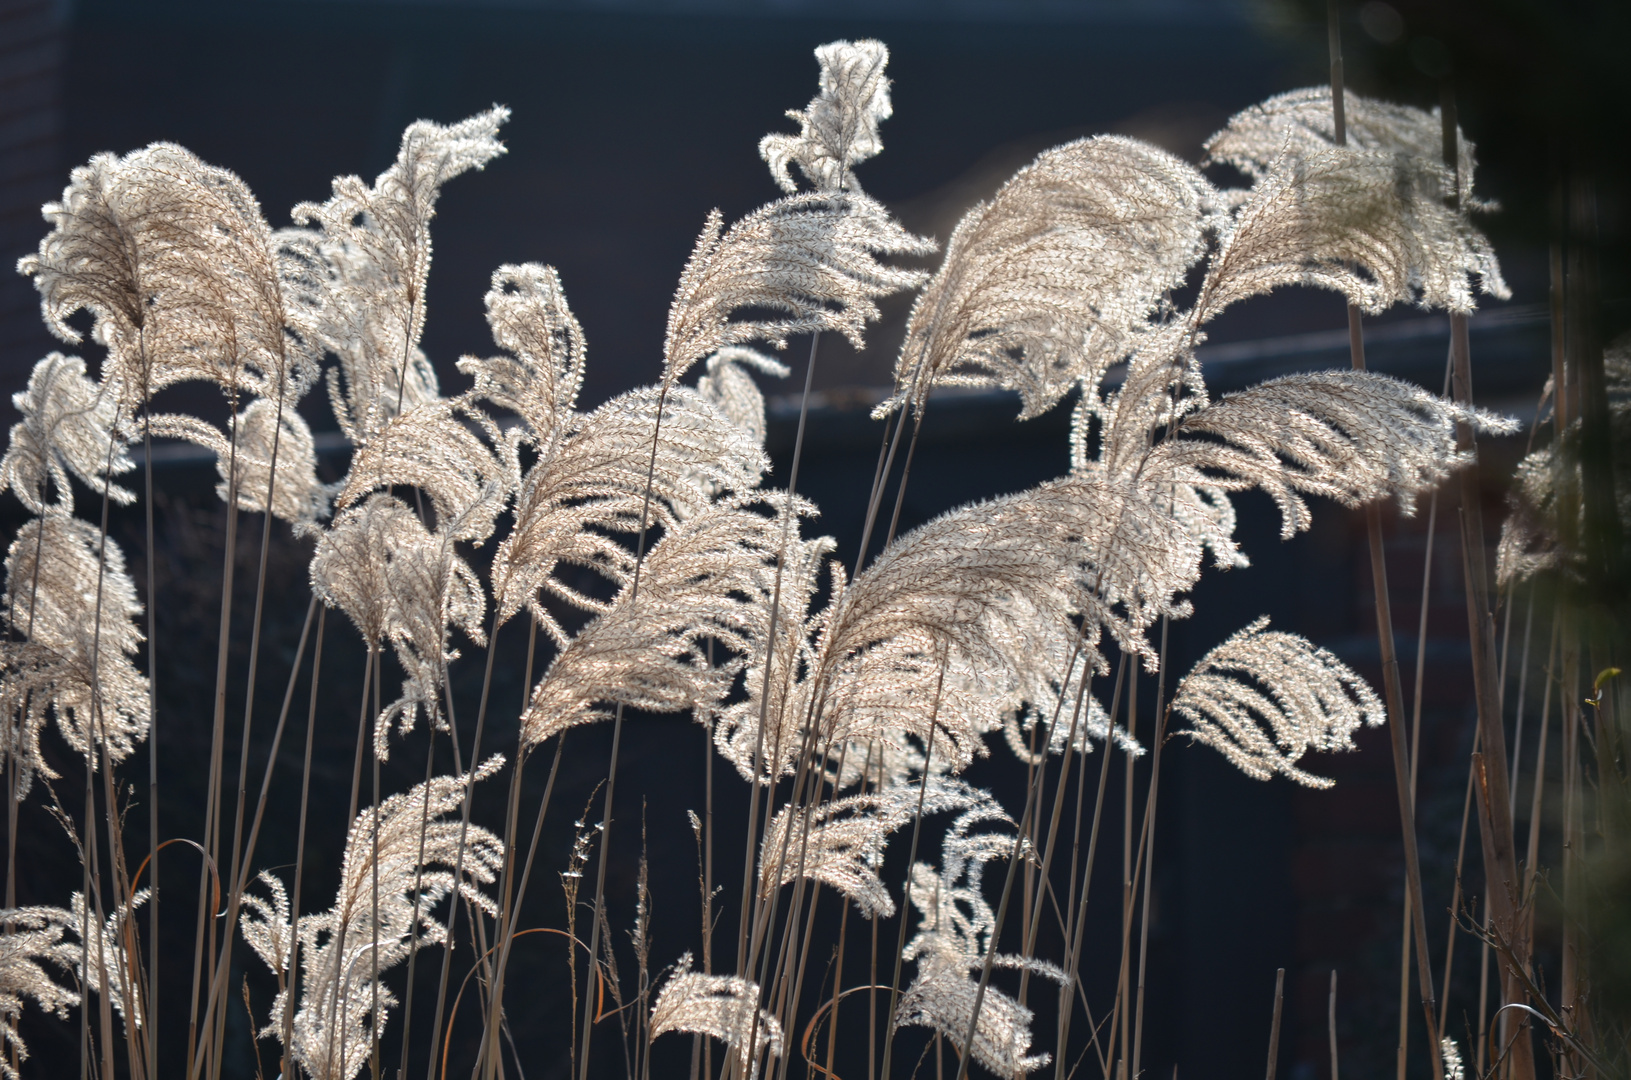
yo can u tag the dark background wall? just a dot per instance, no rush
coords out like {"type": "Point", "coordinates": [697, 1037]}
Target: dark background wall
{"type": "Point", "coordinates": [629, 124]}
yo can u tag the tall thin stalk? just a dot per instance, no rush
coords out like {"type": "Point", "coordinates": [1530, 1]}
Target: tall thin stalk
{"type": "Point", "coordinates": [229, 562]}
{"type": "Point", "coordinates": [93, 889]}
{"type": "Point", "coordinates": [292, 969]}
{"type": "Point", "coordinates": [749, 896]}
{"type": "Point", "coordinates": [464, 824]}
{"type": "Point", "coordinates": [152, 742]}
{"type": "Point", "coordinates": [1415, 762]}
{"type": "Point", "coordinates": [1331, 1023]}
{"type": "Point", "coordinates": [1531, 861]}
{"type": "Point", "coordinates": [1148, 843]}
{"type": "Point", "coordinates": [1124, 975]}
{"type": "Point", "coordinates": [1079, 916]}
{"type": "Point", "coordinates": [905, 904]}
{"type": "Point", "coordinates": [1402, 774]}
{"type": "Point", "coordinates": [218, 993]}
{"type": "Point", "coordinates": [1494, 796]}
{"type": "Point", "coordinates": [1274, 1027]}
{"type": "Point", "coordinates": [1032, 797]}
{"type": "Point", "coordinates": [490, 1060]}
{"type": "Point", "coordinates": [1455, 895]}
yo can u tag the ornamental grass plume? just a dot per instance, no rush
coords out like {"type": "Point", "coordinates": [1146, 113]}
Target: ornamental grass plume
{"type": "Point", "coordinates": [34, 938]}
{"type": "Point", "coordinates": [658, 571]}
{"type": "Point", "coordinates": [388, 890]}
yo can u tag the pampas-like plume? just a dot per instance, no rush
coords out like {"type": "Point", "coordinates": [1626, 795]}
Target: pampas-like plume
{"type": "Point", "coordinates": [727, 384]}
{"type": "Point", "coordinates": [721, 1006]}
{"type": "Point", "coordinates": [365, 273]}
{"type": "Point", "coordinates": [298, 497]}
{"type": "Point", "coordinates": [1352, 436]}
{"type": "Point", "coordinates": [966, 618]}
{"type": "Point", "coordinates": [337, 945]}
{"type": "Point", "coordinates": [592, 477]}
{"type": "Point", "coordinates": [62, 665]}
{"type": "Point", "coordinates": [1036, 705]}
{"type": "Point", "coordinates": [34, 937]}
{"type": "Point", "coordinates": [1531, 536]}
{"type": "Point", "coordinates": [737, 727]}
{"type": "Point", "coordinates": [839, 128]}
{"type": "Point", "coordinates": [996, 581]}
{"type": "Point", "coordinates": [67, 427]}
{"type": "Point", "coordinates": [593, 474]}
{"type": "Point", "coordinates": [811, 257]}
{"type": "Point", "coordinates": [104, 952]}
{"type": "Point", "coordinates": [703, 579]}
{"type": "Point", "coordinates": [1261, 678]}
{"type": "Point", "coordinates": [950, 949]}
{"type": "Point", "coordinates": [1369, 224]}
{"type": "Point", "coordinates": [431, 448]}
{"type": "Point", "coordinates": [539, 381]}
{"type": "Point", "coordinates": [1529, 542]}
{"type": "Point", "coordinates": [399, 581]}
{"type": "Point", "coordinates": [1300, 123]}
{"type": "Point", "coordinates": [1053, 280]}
{"type": "Point", "coordinates": [174, 261]}
{"type": "Point", "coordinates": [843, 845]}
{"type": "Point", "coordinates": [1454, 1069]}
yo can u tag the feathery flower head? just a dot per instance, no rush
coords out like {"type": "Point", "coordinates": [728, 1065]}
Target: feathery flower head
{"type": "Point", "coordinates": [1261, 678]}
{"type": "Point", "coordinates": [334, 1024]}
{"type": "Point", "coordinates": [839, 128]}
{"type": "Point", "coordinates": [35, 938]}
{"type": "Point", "coordinates": [68, 426]}
{"type": "Point", "coordinates": [68, 663]}
{"type": "Point", "coordinates": [721, 1006]}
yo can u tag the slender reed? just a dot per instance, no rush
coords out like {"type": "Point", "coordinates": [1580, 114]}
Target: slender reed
{"type": "Point", "coordinates": [1331, 1023]}
{"type": "Point", "coordinates": [464, 824]}
{"type": "Point", "coordinates": [1148, 844]}
{"type": "Point", "coordinates": [1402, 768]}
{"type": "Point", "coordinates": [291, 968]}
{"type": "Point", "coordinates": [1066, 1010]}
{"type": "Point", "coordinates": [1274, 1027]}
{"type": "Point", "coordinates": [152, 1012]}
{"type": "Point", "coordinates": [216, 1002]}
{"type": "Point", "coordinates": [749, 900]}
{"type": "Point", "coordinates": [906, 900]}
{"type": "Point", "coordinates": [1124, 976]}
{"type": "Point", "coordinates": [229, 562]}
{"type": "Point", "coordinates": [1494, 797]}
{"type": "Point", "coordinates": [1456, 893]}
{"type": "Point", "coordinates": [1531, 861]}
